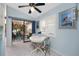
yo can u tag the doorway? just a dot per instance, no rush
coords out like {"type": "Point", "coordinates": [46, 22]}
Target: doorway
{"type": "Point", "coordinates": [21, 30]}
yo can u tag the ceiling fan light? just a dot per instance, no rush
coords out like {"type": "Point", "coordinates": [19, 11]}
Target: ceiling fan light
{"type": "Point", "coordinates": [29, 11]}
{"type": "Point", "coordinates": [32, 9]}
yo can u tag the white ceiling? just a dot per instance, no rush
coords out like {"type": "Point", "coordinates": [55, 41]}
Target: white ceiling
{"type": "Point", "coordinates": [35, 14]}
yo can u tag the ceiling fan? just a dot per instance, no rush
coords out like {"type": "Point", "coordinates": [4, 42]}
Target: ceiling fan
{"type": "Point", "coordinates": [33, 5]}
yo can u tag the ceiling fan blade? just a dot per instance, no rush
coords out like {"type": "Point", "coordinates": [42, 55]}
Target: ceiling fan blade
{"type": "Point", "coordinates": [37, 9]}
{"type": "Point", "coordinates": [39, 4]}
{"type": "Point", "coordinates": [29, 11]}
{"type": "Point", "coordinates": [23, 6]}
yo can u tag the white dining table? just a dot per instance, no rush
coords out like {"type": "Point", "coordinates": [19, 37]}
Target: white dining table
{"type": "Point", "coordinates": [38, 39]}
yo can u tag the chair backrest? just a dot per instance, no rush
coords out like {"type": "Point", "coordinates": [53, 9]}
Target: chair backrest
{"type": "Point", "coordinates": [47, 42]}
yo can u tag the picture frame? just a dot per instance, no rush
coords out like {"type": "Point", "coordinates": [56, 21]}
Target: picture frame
{"type": "Point", "coordinates": [68, 19]}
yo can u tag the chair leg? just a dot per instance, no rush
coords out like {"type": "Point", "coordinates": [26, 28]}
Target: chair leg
{"type": "Point", "coordinates": [38, 48]}
{"type": "Point", "coordinates": [34, 50]}
{"type": "Point", "coordinates": [41, 51]}
{"type": "Point", "coordinates": [45, 52]}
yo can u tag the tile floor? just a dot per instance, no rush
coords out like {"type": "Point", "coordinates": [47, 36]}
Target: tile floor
{"type": "Point", "coordinates": [24, 49]}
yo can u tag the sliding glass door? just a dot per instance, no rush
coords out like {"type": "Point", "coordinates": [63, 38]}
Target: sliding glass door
{"type": "Point", "coordinates": [21, 30]}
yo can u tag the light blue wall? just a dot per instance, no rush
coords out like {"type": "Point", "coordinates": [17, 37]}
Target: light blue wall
{"type": "Point", "coordinates": [2, 8]}
{"type": "Point", "coordinates": [1, 42]}
{"type": "Point", "coordinates": [67, 40]}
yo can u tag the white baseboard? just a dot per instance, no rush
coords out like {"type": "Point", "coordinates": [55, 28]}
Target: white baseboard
{"type": "Point", "coordinates": [57, 52]}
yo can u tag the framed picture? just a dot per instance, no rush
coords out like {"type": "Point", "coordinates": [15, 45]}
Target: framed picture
{"type": "Point", "coordinates": [68, 19]}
